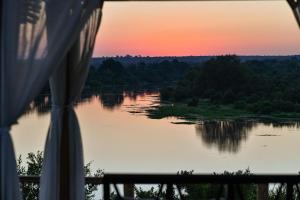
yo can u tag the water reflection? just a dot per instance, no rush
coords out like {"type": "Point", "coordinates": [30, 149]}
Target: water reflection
{"type": "Point", "coordinates": [132, 95]}
{"type": "Point", "coordinates": [41, 105]}
{"type": "Point", "coordinates": [208, 146]}
{"type": "Point", "coordinates": [109, 100]}
{"type": "Point", "coordinates": [225, 135]}
{"type": "Point", "coordinates": [280, 123]}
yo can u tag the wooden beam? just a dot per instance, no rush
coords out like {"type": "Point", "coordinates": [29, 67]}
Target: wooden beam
{"type": "Point", "coordinates": [1, 13]}
{"type": "Point", "coordinates": [188, 0]}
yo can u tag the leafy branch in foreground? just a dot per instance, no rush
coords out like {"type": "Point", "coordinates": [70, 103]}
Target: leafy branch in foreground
{"type": "Point", "coordinates": [33, 167]}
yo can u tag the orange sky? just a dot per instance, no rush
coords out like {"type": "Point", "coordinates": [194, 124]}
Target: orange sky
{"type": "Point", "coordinates": [197, 28]}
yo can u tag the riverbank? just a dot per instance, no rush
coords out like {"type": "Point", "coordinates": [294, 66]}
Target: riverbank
{"type": "Point", "coordinates": [208, 111]}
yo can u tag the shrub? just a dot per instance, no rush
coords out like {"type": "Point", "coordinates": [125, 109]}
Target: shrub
{"type": "Point", "coordinates": [193, 102]}
{"type": "Point", "coordinates": [166, 93]}
{"type": "Point", "coordinates": [34, 166]}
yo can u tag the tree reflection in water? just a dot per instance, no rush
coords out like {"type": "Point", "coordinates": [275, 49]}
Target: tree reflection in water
{"type": "Point", "coordinates": [132, 95]}
{"type": "Point", "coordinates": [41, 105]}
{"type": "Point", "coordinates": [225, 135]}
{"type": "Point", "coordinates": [111, 101]}
{"type": "Point", "coordinates": [228, 135]}
{"type": "Point", "coordinates": [280, 123]}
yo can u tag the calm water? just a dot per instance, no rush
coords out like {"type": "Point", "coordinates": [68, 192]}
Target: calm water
{"type": "Point", "coordinates": [118, 137]}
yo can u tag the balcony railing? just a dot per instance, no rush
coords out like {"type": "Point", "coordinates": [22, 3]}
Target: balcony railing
{"type": "Point", "coordinates": [229, 186]}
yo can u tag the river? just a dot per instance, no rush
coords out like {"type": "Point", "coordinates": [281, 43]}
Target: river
{"type": "Point", "coordinates": [119, 137]}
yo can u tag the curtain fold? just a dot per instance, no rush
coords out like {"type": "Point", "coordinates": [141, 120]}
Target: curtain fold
{"type": "Point", "coordinates": [35, 37]}
{"type": "Point", "coordinates": [9, 180]}
{"type": "Point", "coordinates": [51, 176]}
{"type": "Point", "coordinates": [63, 167]}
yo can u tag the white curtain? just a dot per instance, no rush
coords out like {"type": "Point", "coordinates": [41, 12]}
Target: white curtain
{"type": "Point", "coordinates": [64, 139]}
{"type": "Point", "coordinates": [30, 51]}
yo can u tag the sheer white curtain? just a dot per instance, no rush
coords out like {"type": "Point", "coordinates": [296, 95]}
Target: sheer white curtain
{"type": "Point", "coordinates": [29, 53]}
{"type": "Point", "coordinates": [63, 167]}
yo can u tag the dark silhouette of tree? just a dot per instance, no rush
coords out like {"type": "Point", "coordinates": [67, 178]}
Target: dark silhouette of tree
{"type": "Point", "coordinates": [111, 101]}
{"type": "Point", "coordinates": [259, 86]}
{"type": "Point", "coordinates": [225, 135]}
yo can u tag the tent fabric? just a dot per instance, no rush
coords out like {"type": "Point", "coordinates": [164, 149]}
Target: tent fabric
{"type": "Point", "coordinates": [66, 84]}
{"type": "Point", "coordinates": [9, 180]}
{"type": "Point", "coordinates": [35, 37]}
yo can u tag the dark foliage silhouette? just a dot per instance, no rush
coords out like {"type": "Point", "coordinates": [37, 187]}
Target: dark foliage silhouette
{"type": "Point", "coordinates": [225, 135]}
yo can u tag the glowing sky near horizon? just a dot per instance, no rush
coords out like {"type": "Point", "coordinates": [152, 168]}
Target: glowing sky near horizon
{"type": "Point", "coordinates": [197, 28]}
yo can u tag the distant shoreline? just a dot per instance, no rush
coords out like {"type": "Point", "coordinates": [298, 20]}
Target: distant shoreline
{"type": "Point", "coordinates": [209, 111]}
{"type": "Point", "coordinates": [188, 59]}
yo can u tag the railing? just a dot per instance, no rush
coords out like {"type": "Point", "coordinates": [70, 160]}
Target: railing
{"type": "Point", "coordinates": [229, 186]}
{"type": "Point", "coordinates": [189, 0]}
{"type": "Point", "coordinates": [36, 179]}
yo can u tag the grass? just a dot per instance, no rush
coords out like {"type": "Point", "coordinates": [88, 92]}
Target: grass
{"type": "Point", "coordinates": [208, 111]}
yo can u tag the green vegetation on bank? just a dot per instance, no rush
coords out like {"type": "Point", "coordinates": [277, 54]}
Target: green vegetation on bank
{"type": "Point", "coordinates": [204, 110]}
{"type": "Point", "coordinates": [225, 87]}
{"type": "Point", "coordinates": [209, 111]}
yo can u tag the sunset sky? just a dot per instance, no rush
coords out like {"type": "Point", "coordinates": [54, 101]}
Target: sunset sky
{"type": "Point", "coordinates": [197, 28]}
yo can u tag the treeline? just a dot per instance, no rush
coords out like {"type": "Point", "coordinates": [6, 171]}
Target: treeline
{"type": "Point", "coordinates": [258, 86]}
{"type": "Point", "coordinates": [114, 73]}
{"type": "Point", "coordinates": [112, 76]}
{"type": "Point", "coordinates": [111, 79]}
{"type": "Point", "coordinates": [261, 87]}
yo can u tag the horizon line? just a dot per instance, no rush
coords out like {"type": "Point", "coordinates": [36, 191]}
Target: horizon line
{"type": "Point", "coordinates": [241, 55]}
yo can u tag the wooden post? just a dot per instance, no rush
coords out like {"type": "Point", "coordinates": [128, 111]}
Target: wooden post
{"type": "Point", "coordinates": [64, 145]}
{"type": "Point", "coordinates": [289, 191]}
{"type": "Point", "coordinates": [170, 192]}
{"type": "Point", "coordinates": [129, 190]}
{"type": "Point", "coordinates": [262, 192]}
{"type": "Point", "coordinates": [1, 92]}
{"type": "Point", "coordinates": [106, 191]}
{"type": "Point", "coordinates": [230, 192]}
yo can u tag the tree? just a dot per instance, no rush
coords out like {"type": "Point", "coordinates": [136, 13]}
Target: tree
{"type": "Point", "coordinates": [33, 167]}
